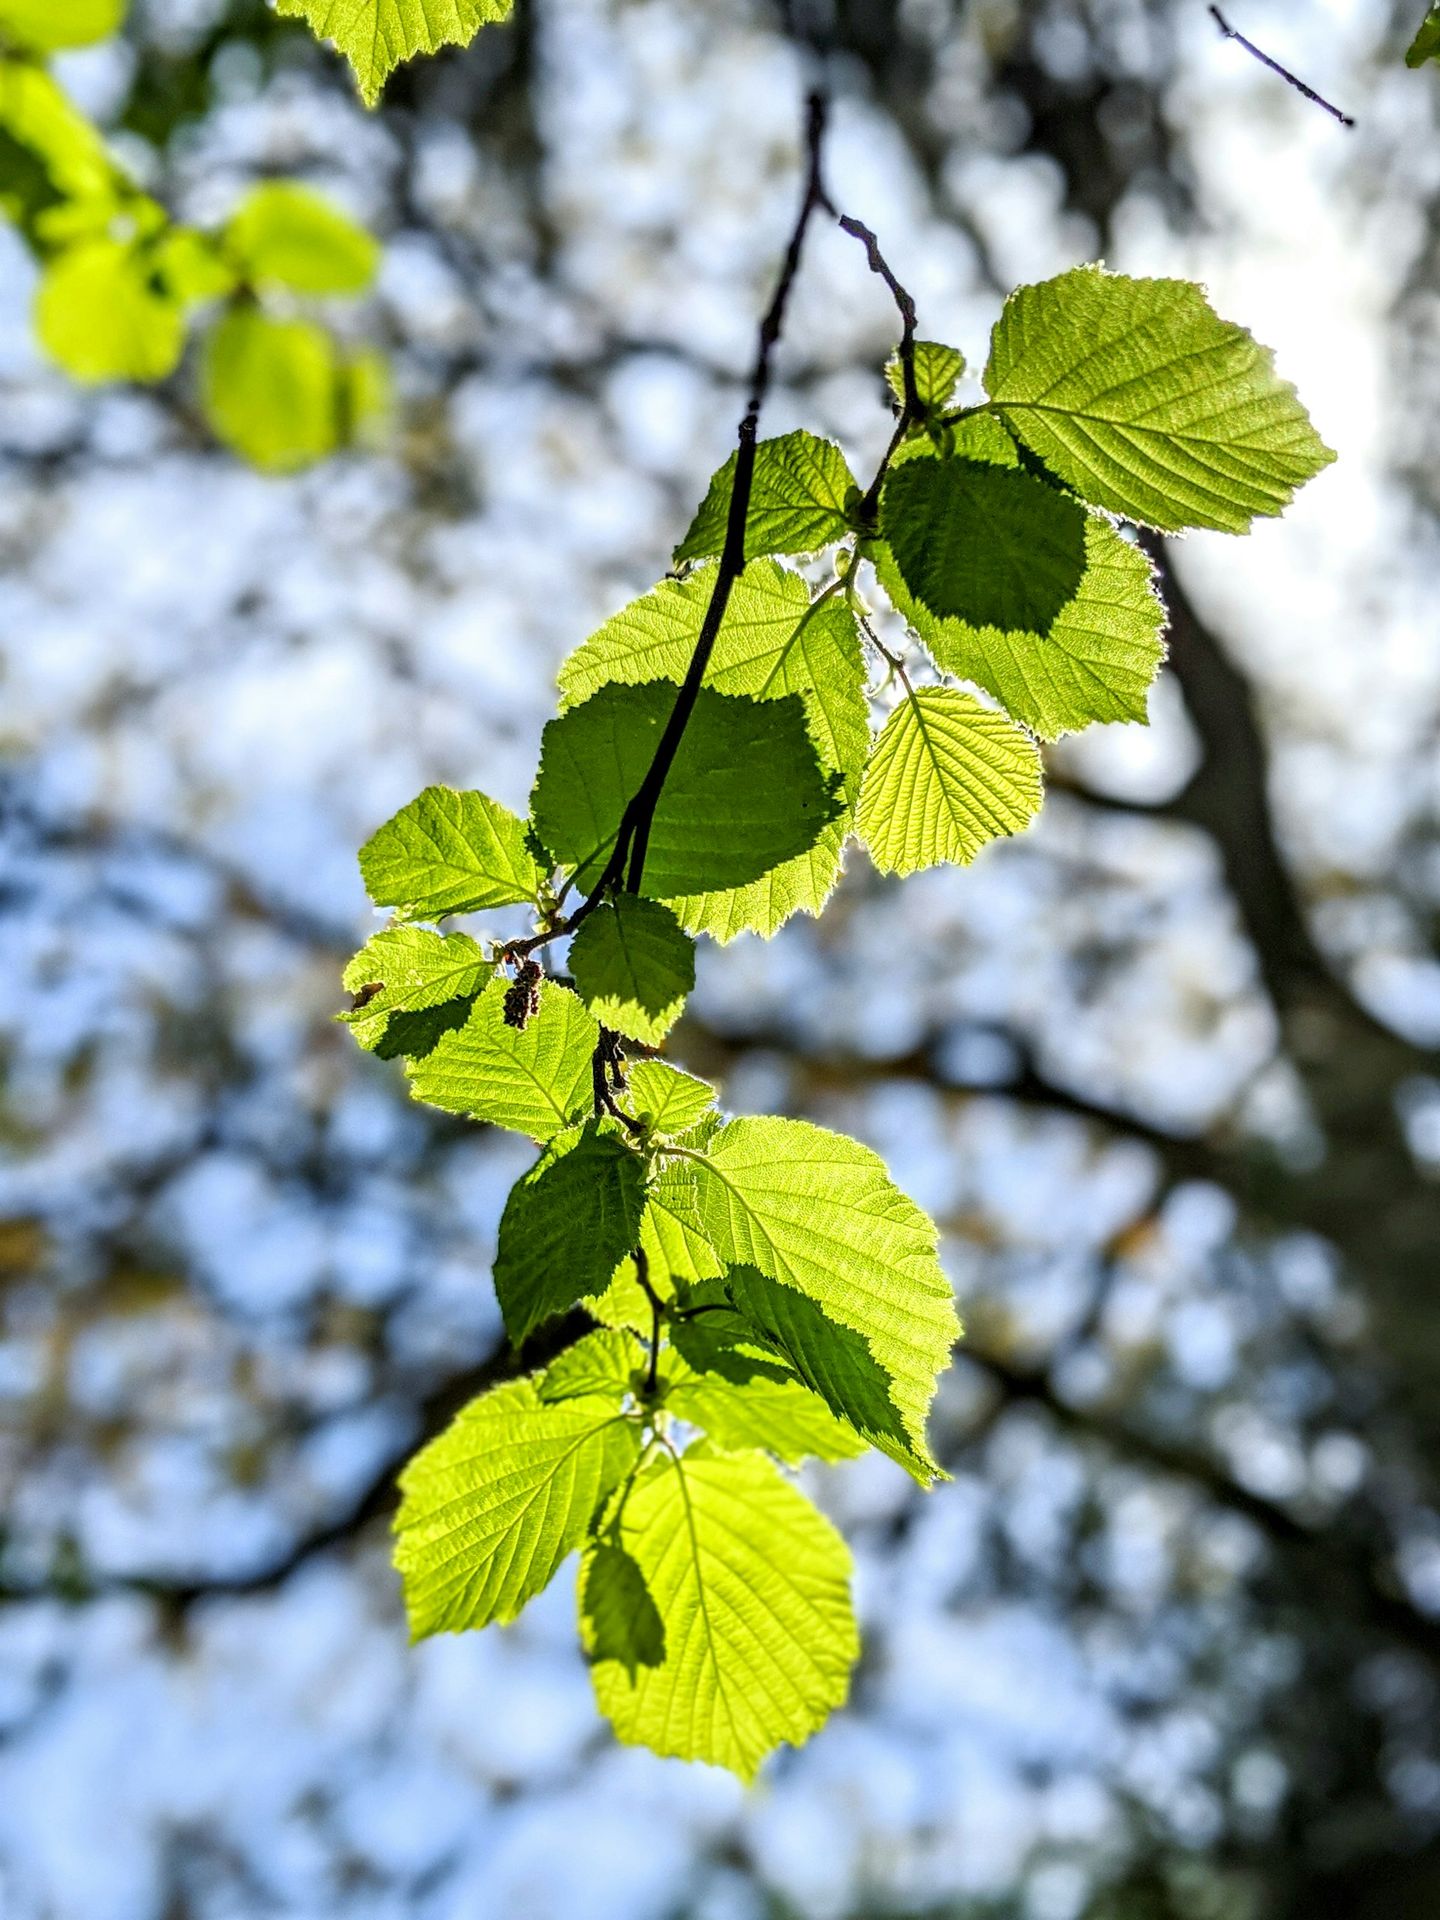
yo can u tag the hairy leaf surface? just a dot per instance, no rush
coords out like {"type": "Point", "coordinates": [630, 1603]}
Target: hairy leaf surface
{"type": "Point", "coordinates": [752, 1588]}
{"type": "Point", "coordinates": [799, 501]}
{"type": "Point", "coordinates": [947, 776]}
{"type": "Point", "coordinates": [375, 36]}
{"type": "Point", "coordinates": [425, 982]}
{"type": "Point", "coordinates": [491, 1508]}
{"type": "Point", "coordinates": [937, 374]}
{"type": "Point", "coordinates": [819, 1213]}
{"type": "Point", "coordinates": [1138, 395]}
{"type": "Point", "coordinates": [536, 1081]}
{"type": "Point", "coordinates": [449, 852]}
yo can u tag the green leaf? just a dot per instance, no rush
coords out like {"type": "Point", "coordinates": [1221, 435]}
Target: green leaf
{"type": "Point", "coordinates": [1426, 44]}
{"type": "Point", "coordinates": [602, 1363]}
{"type": "Point", "coordinates": [375, 36]}
{"type": "Point", "coordinates": [191, 267]}
{"type": "Point", "coordinates": [633, 967]}
{"type": "Point", "coordinates": [618, 1619]}
{"type": "Point", "coordinates": [45, 26]}
{"type": "Point", "coordinates": [819, 1213]}
{"type": "Point", "coordinates": [283, 235]}
{"type": "Point", "coordinates": [947, 775]}
{"type": "Point", "coordinates": [490, 1509]}
{"type": "Point", "coordinates": [984, 544]}
{"type": "Point", "coordinates": [937, 373]}
{"type": "Point", "coordinates": [799, 502]}
{"type": "Point", "coordinates": [536, 1081]}
{"type": "Point", "coordinates": [51, 158]}
{"type": "Point", "coordinates": [743, 1399]}
{"type": "Point", "coordinates": [271, 389]}
{"type": "Point", "coordinates": [653, 637]}
{"type": "Point", "coordinates": [566, 1226]}
{"type": "Point", "coordinates": [1096, 659]}
{"type": "Point", "coordinates": [774, 641]}
{"type": "Point", "coordinates": [746, 790]}
{"type": "Point", "coordinates": [449, 852]}
{"type": "Point", "coordinates": [413, 984]}
{"type": "Point", "coordinates": [1140, 397]}
{"type": "Point", "coordinates": [752, 1587]}
{"type": "Point", "coordinates": [101, 314]}
{"type": "Point", "coordinates": [624, 1305]}
{"type": "Point", "coordinates": [667, 1100]}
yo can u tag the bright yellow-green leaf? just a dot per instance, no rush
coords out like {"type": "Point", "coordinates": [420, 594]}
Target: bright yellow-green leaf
{"type": "Point", "coordinates": [536, 1080]}
{"type": "Point", "coordinates": [602, 1363]}
{"type": "Point", "coordinates": [947, 775]}
{"type": "Point", "coordinates": [448, 852]}
{"type": "Point", "coordinates": [1137, 394]}
{"type": "Point", "coordinates": [101, 314]}
{"type": "Point", "coordinates": [490, 1509]}
{"type": "Point", "coordinates": [752, 1588]}
{"type": "Point", "coordinates": [54, 158]}
{"type": "Point", "coordinates": [800, 501]}
{"type": "Point", "coordinates": [937, 373]}
{"type": "Point", "coordinates": [819, 1214]}
{"type": "Point", "coordinates": [1426, 44]}
{"type": "Point", "coordinates": [48, 25]}
{"type": "Point", "coordinates": [666, 1099]}
{"type": "Point", "coordinates": [743, 1398]}
{"type": "Point", "coordinates": [191, 266]}
{"type": "Point", "coordinates": [377, 35]}
{"type": "Point", "coordinates": [271, 389]}
{"type": "Point", "coordinates": [414, 985]}
{"type": "Point", "coordinates": [285, 235]}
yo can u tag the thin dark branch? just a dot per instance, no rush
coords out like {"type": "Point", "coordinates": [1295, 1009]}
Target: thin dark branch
{"type": "Point", "coordinates": [634, 835]}
{"type": "Point", "coordinates": [911, 409]}
{"type": "Point", "coordinates": [1290, 79]}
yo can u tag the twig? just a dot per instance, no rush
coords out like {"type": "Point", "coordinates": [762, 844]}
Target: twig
{"type": "Point", "coordinates": [633, 837]}
{"type": "Point", "coordinates": [1290, 79]}
{"type": "Point", "coordinates": [911, 409]}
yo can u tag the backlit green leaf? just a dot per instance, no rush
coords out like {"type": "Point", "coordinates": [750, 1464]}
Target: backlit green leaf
{"type": "Point", "coordinates": [48, 25]}
{"type": "Point", "coordinates": [566, 1226]}
{"type": "Point", "coordinates": [742, 1400]}
{"type": "Point", "coordinates": [490, 1509]}
{"type": "Point", "coordinates": [449, 852]}
{"type": "Point", "coordinates": [752, 1586]}
{"type": "Point", "coordinates": [937, 373]}
{"type": "Point", "coordinates": [799, 502]}
{"type": "Point", "coordinates": [284, 235]}
{"type": "Point", "coordinates": [633, 967]}
{"type": "Point", "coordinates": [746, 790]}
{"type": "Point", "coordinates": [102, 315]}
{"type": "Point", "coordinates": [818, 1213]}
{"type": "Point", "coordinates": [377, 35]}
{"type": "Point", "coordinates": [947, 775]}
{"type": "Point", "coordinates": [271, 389]}
{"type": "Point", "coordinates": [536, 1081]}
{"type": "Point", "coordinates": [1140, 397]}
{"type": "Point", "coordinates": [405, 978]}
{"type": "Point", "coordinates": [1097, 656]}
{"type": "Point", "coordinates": [600, 1363]}
{"type": "Point", "coordinates": [667, 1100]}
